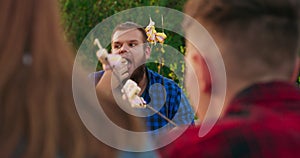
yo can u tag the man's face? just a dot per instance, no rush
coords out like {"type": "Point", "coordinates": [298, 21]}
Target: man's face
{"type": "Point", "coordinates": [129, 44]}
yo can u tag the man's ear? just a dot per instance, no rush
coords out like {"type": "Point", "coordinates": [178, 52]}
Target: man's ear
{"type": "Point", "coordinates": [296, 70]}
{"type": "Point", "coordinates": [203, 73]}
{"type": "Point", "coordinates": [147, 52]}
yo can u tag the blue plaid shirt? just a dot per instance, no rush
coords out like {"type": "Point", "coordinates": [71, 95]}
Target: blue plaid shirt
{"type": "Point", "coordinates": [165, 96]}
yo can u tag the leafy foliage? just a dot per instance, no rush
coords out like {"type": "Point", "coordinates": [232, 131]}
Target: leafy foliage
{"type": "Point", "coordinates": [81, 16]}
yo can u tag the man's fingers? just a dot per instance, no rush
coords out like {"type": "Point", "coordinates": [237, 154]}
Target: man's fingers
{"type": "Point", "coordinates": [122, 70]}
{"type": "Point", "coordinates": [119, 66]}
{"type": "Point", "coordinates": [106, 67]}
{"type": "Point", "coordinates": [125, 76]}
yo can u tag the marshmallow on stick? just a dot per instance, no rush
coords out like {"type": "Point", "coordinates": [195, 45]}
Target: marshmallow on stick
{"type": "Point", "coordinates": [132, 90]}
{"type": "Point", "coordinates": [108, 59]}
{"type": "Point", "coordinates": [101, 53]}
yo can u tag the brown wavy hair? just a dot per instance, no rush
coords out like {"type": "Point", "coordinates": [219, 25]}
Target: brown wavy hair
{"type": "Point", "coordinates": [37, 112]}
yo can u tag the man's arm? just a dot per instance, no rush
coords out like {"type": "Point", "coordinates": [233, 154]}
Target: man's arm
{"type": "Point", "coordinates": [107, 94]}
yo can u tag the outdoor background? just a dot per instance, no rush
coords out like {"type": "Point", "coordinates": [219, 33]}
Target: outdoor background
{"type": "Point", "coordinates": [81, 16]}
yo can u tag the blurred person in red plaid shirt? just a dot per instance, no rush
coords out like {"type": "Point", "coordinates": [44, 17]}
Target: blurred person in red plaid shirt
{"type": "Point", "coordinates": [258, 41]}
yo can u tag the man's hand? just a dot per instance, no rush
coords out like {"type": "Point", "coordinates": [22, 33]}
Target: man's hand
{"type": "Point", "coordinates": [121, 69]}
{"type": "Point", "coordinates": [118, 65]}
{"type": "Point", "coordinates": [112, 62]}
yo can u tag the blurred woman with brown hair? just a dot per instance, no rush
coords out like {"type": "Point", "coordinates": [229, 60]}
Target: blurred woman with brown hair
{"type": "Point", "coordinates": [38, 117]}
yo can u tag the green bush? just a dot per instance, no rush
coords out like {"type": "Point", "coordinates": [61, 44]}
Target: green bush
{"type": "Point", "coordinates": [80, 17]}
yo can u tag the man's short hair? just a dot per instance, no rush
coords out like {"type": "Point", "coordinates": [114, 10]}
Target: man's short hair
{"type": "Point", "coordinates": [130, 25]}
{"type": "Point", "coordinates": [265, 31]}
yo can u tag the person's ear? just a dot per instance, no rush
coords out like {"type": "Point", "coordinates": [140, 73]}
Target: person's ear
{"type": "Point", "coordinates": [147, 52]}
{"type": "Point", "coordinates": [202, 72]}
{"type": "Point", "coordinates": [296, 70]}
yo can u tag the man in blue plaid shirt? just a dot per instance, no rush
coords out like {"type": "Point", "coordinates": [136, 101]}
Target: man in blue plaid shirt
{"type": "Point", "coordinates": [130, 41]}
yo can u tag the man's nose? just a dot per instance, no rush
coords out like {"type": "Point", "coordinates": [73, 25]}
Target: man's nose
{"type": "Point", "coordinates": [124, 49]}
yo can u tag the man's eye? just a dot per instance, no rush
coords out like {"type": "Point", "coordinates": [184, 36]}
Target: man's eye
{"type": "Point", "coordinates": [117, 46]}
{"type": "Point", "coordinates": [132, 44]}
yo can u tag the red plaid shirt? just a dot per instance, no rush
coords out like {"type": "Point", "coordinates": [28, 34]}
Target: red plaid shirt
{"type": "Point", "coordinates": [262, 121]}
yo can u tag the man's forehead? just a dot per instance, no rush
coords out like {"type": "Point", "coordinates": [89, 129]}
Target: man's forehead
{"type": "Point", "coordinates": [127, 35]}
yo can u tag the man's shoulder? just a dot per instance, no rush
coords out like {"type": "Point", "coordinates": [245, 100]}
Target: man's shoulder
{"type": "Point", "coordinates": [244, 135]}
{"type": "Point", "coordinates": [190, 143]}
{"type": "Point", "coordinates": [184, 145]}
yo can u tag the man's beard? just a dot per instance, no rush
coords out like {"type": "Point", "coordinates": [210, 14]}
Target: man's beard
{"type": "Point", "coordinates": [138, 74]}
